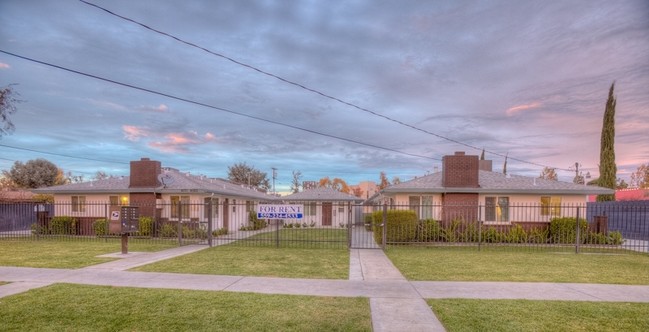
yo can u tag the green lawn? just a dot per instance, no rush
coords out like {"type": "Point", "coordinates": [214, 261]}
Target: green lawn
{"type": "Point", "coordinates": [64, 307]}
{"type": "Point", "coordinates": [551, 316]}
{"type": "Point", "coordinates": [68, 254]}
{"type": "Point", "coordinates": [302, 238]}
{"type": "Point", "coordinates": [259, 261]}
{"type": "Point", "coordinates": [457, 264]}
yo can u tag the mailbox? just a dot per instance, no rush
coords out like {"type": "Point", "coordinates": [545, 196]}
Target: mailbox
{"type": "Point", "coordinates": [129, 219]}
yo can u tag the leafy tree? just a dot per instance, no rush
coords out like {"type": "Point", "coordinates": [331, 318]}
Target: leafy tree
{"type": "Point", "coordinates": [640, 178]}
{"type": "Point", "coordinates": [35, 174]}
{"type": "Point", "coordinates": [549, 174]}
{"type": "Point", "coordinates": [337, 184]}
{"type": "Point", "coordinates": [396, 180]}
{"type": "Point", "coordinates": [241, 173]}
{"type": "Point", "coordinates": [607, 168]}
{"type": "Point", "coordinates": [621, 184]}
{"type": "Point", "coordinates": [383, 182]}
{"type": "Point", "coordinates": [295, 182]}
{"type": "Point", "coordinates": [8, 101]}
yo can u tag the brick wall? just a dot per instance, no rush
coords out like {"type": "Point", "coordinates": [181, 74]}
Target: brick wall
{"type": "Point", "coordinates": [460, 171]}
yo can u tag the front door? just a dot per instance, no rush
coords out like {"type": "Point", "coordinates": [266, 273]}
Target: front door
{"type": "Point", "coordinates": [326, 214]}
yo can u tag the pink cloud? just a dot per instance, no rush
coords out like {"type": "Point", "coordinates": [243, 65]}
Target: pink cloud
{"type": "Point", "coordinates": [158, 109]}
{"type": "Point", "coordinates": [4, 66]}
{"type": "Point", "coordinates": [134, 133]}
{"type": "Point", "coordinates": [519, 108]}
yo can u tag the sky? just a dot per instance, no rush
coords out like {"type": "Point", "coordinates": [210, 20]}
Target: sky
{"type": "Point", "coordinates": [341, 89]}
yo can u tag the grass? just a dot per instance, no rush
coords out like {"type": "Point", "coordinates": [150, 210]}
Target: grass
{"type": "Point", "coordinates": [256, 261]}
{"type": "Point", "coordinates": [303, 237]}
{"type": "Point", "coordinates": [64, 307]}
{"type": "Point", "coordinates": [526, 315]}
{"type": "Point", "coordinates": [46, 253]}
{"type": "Point", "coordinates": [457, 264]}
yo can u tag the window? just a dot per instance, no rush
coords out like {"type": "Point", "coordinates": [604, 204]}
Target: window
{"type": "Point", "coordinates": [78, 203]}
{"type": "Point", "coordinates": [310, 209]}
{"type": "Point", "coordinates": [215, 207]}
{"type": "Point", "coordinates": [114, 200]}
{"type": "Point", "coordinates": [497, 209]}
{"type": "Point", "coordinates": [414, 204]}
{"type": "Point", "coordinates": [426, 207]}
{"type": "Point", "coordinates": [183, 202]}
{"type": "Point", "coordinates": [550, 206]}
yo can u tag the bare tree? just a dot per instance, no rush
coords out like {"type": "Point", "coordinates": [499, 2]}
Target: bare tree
{"type": "Point", "coordinates": [241, 173]}
{"type": "Point", "coordinates": [295, 182]}
{"type": "Point", "coordinates": [8, 101]}
{"type": "Point", "coordinates": [549, 174]}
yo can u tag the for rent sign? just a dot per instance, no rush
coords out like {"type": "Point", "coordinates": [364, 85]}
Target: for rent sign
{"type": "Point", "coordinates": [280, 211]}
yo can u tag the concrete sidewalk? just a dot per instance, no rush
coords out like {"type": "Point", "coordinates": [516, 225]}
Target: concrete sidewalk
{"type": "Point", "coordinates": [396, 304]}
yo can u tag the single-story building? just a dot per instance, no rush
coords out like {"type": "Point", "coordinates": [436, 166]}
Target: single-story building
{"type": "Point", "coordinates": [467, 189]}
{"type": "Point", "coordinates": [325, 207]}
{"type": "Point", "coordinates": [166, 194]}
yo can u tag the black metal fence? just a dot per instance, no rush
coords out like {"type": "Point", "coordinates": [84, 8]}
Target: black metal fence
{"type": "Point", "coordinates": [592, 226]}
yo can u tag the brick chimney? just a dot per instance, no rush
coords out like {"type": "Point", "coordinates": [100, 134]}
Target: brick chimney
{"type": "Point", "coordinates": [144, 173]}
{"type": "Point", "coordinates": [460, 171]}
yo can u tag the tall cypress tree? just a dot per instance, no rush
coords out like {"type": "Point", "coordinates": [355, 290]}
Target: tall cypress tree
{"type": "Point", "coordinates": [607, 168]}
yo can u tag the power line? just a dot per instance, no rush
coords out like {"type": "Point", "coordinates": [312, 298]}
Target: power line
{"type": "Point", "coordinates": [215, 107]}
{"type": "Point", "coordinates": [62, 155]}
{"type": "Point", "coordinates": [304, 87]}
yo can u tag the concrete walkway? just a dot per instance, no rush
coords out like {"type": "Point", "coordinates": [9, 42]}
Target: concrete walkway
{"type": "Point", "coordinates": [396, 304]}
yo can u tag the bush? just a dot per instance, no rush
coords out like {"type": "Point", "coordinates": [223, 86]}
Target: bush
{"type": "Point", "coordinates": [63, 225]}
{"type": "Point", "coordinates": [428, 230]}
{"type": "Point", "coordinates": [168, 230]}
{"type": "Point", "coordinates": [470, 233]}
{"type": "Point", "coordinates": [517, 234]}
{"type": "Point", "coordinates": [100, 227]}
{"type": "Point", "coordinates": [613, 238]}
{"type": "Point", "coordinates": [145, 226]}
{"type": "Point", "coordinates": [220, 231]}
{"type": "Point", "coordinates": [493, 235]}
{"type": "Point", "coordinates": [38, 229]}
{"type": "Point", "coordinates": [538, 235]}
{"type": "Point", "coordinates": [401, 226]}
{"type": "Point", "coordinates": [253, 223]}
{"type": "Point", "coordinates": [562, 230]}
{"type": "Point", "coordinates": [451, 233]}
{"type": "Point", "coordinates": [368, 222]}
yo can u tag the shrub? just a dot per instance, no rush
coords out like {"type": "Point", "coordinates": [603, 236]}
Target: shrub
{"type": "Point", "coordinates": [428, 230]}
{"type": "Point", "coordinates": [100, 227]}
{"type": "Point", "coordinates": [145, 226]}
{"type": "Point", "coordinates": [451, 233]}
{"type": "Point", "coordinates": [615, 238]}
{"type": "Point", "coordinates": [220, 231]}
{"type": "Point", "coordinates": [63, 225]}
{"type": "Point", "coordinates": [253, 223]}
{"type": "Point", "coordinates": [538, 235]}
{"type": "Point", "coordinates": [562, 230]}
{"type": "Point", "coordinates": [401, 226]}
{"type": "Point", "coordinates": [470, 233]}
{"type": "Point", "coordinates": [168, 230]}
{"type": "Point", "coordinates": [38, 229]}
{"type": "Point", "coordinates": [516, 234]}
{"type": "Point", "coordinates": [493, 235]}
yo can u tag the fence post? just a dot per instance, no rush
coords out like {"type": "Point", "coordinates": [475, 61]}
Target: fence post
{"type": "Point", "coordinates": [385, 226]}
{"type": "Point", "coordinates": [277, 222]}
{"type": "Point", "coordinates": [209, 222]}
{"type": "Point", "coordinates": [479, 227]}
{"type": "Point", "coordinates": [577, 235]}
{"type": "Point", "coordinates": [180, 226]}
{"type": "Point", "coordinates": [350, 220]}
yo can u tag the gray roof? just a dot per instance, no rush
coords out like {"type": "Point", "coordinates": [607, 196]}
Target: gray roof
{"type": "Point", "coordinates": [321, 194]}
{"type": "Point", "coordinates": [498, 183]}
{"type": "Point", "coordinates": [181, 183]}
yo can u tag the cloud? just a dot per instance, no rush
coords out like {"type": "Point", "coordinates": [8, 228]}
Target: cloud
{"type": "Point", "coordinates": [519, 108]}
{"type": "Point", "coordinates": [4, 66]}
{"type": "Point", "coordinates": [157, 109]}
{"type": "Point", "coordinates": [134, 133]}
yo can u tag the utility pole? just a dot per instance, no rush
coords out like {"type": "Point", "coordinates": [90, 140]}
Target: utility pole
{"type": "Point", "coordinates": [274, 177]}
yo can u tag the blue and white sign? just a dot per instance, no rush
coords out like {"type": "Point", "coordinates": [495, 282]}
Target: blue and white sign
{"type": "Point", "coordinates": [280, 211]}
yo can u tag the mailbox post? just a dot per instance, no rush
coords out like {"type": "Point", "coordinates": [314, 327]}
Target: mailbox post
{"type": "Point", "coordinates": [129, 222]}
